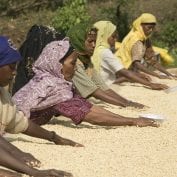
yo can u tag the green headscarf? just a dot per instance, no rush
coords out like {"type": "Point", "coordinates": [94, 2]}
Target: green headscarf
{"type": "Point", "coordinates": [77, 35]}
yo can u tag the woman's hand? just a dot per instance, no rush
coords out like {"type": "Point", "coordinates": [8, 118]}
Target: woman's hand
{"type": "Point", "coordinates": [156, 86]}
{"type": "Point", "coordinates": [163, 77]}
{"type": "Point", "coordinates": [136, 105]}
{"type": "Point", "coordinates": [144, 122]}
{"type": "Point", "coordinates": [50, 173]}
{"type": "Point", "coordinates": [63, 141]}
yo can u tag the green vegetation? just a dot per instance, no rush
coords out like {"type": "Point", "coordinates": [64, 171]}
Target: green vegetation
{"type": "Point", "coordinates": [73, 12]}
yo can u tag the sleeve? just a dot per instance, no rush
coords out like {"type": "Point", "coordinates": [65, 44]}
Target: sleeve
{"type": "Point", "coordinates": [110, 61]}
{"type": "Point", "coordinates": [138, 51]}
{"type": "Point", "coordinates": [18, 124]}
{"type": "Point", "coordinates": [83, 83]}
{"type": "Point", "coordinates": [99, 81]}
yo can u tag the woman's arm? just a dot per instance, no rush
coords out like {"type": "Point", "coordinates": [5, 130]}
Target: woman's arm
{"type": "Point", "coordinates": [159, 67]}
{"type": "Point", "coordinates": [104, 96]}
{"type": "Point", "coordinates": [9, 161]}
{"type": "Point", "coordinates": [142, 68]}
{"type": "Point", "coordinates": [133, 77]}
{"type": "Point", "coordinates": [36, 131]}
{"type": "Point", "coordinates": [128, 102]}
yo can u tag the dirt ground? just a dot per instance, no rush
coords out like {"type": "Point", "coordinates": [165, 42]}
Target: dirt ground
{"type": "Point", "coordinates": [115, 151]}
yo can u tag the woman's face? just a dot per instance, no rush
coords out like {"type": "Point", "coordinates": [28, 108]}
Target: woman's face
{"type": "Point", "coordinates": [90, 42]}
{"type": "Point", "coordinates": [148, 28]}
{"type": "Point", "coordinates": [7, 73]}
{"type": "Point", "coordinates": [112, 39]}
{"type": "Point", "coordinates": [69, 66]}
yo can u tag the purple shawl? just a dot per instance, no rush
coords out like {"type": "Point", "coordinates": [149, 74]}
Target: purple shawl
{"type": "Point", "coordinates": [48, 87]}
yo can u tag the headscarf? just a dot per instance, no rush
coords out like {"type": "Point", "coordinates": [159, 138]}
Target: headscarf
{"type": "Point", "coordinates": [136, 34]}
{"type": "Point", "coordinates": [37, 38]}
{"type": "Point", "coordinates": [77, 35]}
{"type": "Point", "coordinates": [105, 30]}
{"type": "Point", "coordinates": [8, 52]}
{"type": "Point", "coordinates": [48, 87]}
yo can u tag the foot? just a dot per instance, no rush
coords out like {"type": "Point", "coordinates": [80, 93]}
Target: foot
{"type": "Point", "coordinates": [144, 122]}
{"type": "Point", "coordinates": [51, 173]}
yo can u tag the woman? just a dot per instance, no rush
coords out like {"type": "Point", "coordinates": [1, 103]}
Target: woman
{"type": "Point", "coordinates": [136, 47]}
{"type": "Point", "coordinates": [86, 79]}
{"type": "Point", "coordinates": [37, 38]}
{"type": "Point", "coordinates": [13, 121]}
{"type": "Point", "coordinates": [51, 89]}
{"type": "Point", "coordinates": [107, 64]}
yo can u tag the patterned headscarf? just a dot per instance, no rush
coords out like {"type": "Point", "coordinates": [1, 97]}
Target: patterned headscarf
{"type": "Point", "coordinates": [8, 53]}
{"type": "Point", "coordinates": [48, 87]}
{"type": "Point", "coordinates": [37, 38]}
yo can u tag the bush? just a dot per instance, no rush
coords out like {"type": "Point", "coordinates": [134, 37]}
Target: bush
{"type": "Point", "coordinates": [169, 34]}
{"type": "Point", "coordinates": [4, 5]}
{"type": "Point", "coordinates": [73, 12]}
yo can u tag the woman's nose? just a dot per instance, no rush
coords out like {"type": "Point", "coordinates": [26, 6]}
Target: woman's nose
{"type": "Point", "coordinates": [93, 44]}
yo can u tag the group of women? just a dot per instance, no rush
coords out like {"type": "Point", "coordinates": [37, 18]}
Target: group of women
{"type": "Point", "coordinates": [57, 75]}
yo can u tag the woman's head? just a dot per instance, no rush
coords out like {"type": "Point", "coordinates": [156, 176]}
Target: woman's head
{"type": "Point", "coordinates": [57, 59]}
{"type": "Point", "coordinates": [90, 41]}
{"type": "Point", "coordinates": [83, 38]}
{"type": "Point", "coordinates": [106, 35]}
{"type": "Point", "coordinates": [145, 23]}
{"type": "Point", "coordinates": [37, 38]}
{"type": "Point", "coordinates": [9, 56]}
{"type": "Point", "coordinates": [69, 64]}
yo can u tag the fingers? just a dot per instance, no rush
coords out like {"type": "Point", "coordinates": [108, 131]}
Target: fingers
{"type": "Point", "coordinates": [144, 122]}
{"type": "Point", "coordinates": [155, 124]}
{"type": "Point", "coordinates": [160, 87]}
{"type": "Point", "coordinates": [78, 145]}
{"type": "Point", "coordinates": [59, 173]}
{"type": "Point", "coordinates": [138, 105]}
{"type": "Point", "coordinates": [34, 163]}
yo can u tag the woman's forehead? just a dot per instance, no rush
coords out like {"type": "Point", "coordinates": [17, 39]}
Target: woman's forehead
{"type": "Point", "coordinates": [92, 31]}
{"type": "Point", "coordinates": [149, 24]}
{"type": "Point", "coordinates": [91, 34]}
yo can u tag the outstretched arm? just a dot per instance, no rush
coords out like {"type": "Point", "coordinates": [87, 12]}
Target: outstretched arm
{"type": "Point", "coordinates": [104, 96]}
{"type": "Point", "coordinates": [159, 67]}
{"type": "Point", "coordinates": [140, 67]}
{"type": "Point", "coordinates": [39, 132]}
{"type": "Point", "coordinates": [133, 77]}
{"type": "Point", "coordinates": [9, 161]}
{"type": "Point", "coordinates": [17, 153]}
{"type": "Point", "coordinates": [128, 102]}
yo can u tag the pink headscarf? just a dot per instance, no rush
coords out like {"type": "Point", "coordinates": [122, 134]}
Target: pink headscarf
{"type": "Point", "coordinates": [48, 87]}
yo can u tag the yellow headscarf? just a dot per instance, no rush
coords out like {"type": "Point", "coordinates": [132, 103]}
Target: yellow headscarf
{"type": "Point", "coordinates": [136, 34]}
{"type": "Point", "coordinates": [105, 30]}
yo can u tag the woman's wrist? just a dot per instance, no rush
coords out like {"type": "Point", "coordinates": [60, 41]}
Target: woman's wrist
{"type": "Point", "coordinates": [129, 102]}
{"type": "Point", "coordinates": [52, 136]}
